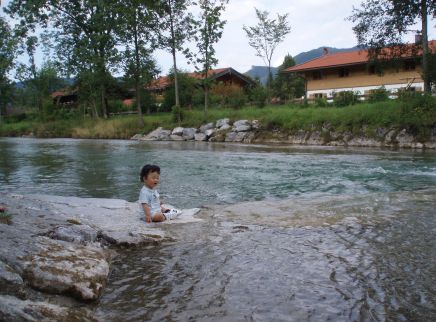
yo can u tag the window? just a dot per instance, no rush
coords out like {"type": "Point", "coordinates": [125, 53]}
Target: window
{"type": "Point", "coordinates": [375, 69]}
{"type": "Point", "coordinates": [317, 75]}
{"type": "Point", "coordinates": [344, 72]}
{"type": "Point", "coordinates": [319, 95]}
{"type": "Point", "coordinates": [409, 65]}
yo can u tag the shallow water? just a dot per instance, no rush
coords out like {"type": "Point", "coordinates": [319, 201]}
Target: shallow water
{"type": "Point", "coordinates": [315, 235]}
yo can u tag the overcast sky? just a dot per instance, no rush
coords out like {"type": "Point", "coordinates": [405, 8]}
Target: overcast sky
{"type": "Point", "coordinates": [314, 23]}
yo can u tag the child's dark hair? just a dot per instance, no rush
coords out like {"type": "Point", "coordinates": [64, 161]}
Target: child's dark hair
{"type": "Point", "coordinates": [148, 168]}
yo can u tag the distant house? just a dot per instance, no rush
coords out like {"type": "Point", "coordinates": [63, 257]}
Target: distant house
{"type": "Point", "coordinates": [65, 97]}
{"type": "Point", "coordinates": [227, 76]}
{"type": "Point", "coordinates": [350, 71]}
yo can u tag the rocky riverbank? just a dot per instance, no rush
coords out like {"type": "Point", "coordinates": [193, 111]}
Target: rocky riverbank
{"type": "Point", "coordinates": [245, 131]}
{"type": "Point", "coordinates": [55, 252]}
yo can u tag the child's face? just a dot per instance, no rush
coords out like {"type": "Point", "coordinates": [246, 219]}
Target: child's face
{"type": "Point", "coordinates": [152, 180]}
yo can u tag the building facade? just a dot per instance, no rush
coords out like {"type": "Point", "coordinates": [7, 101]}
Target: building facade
{"type": "Point", "coordinates": [351, 71]}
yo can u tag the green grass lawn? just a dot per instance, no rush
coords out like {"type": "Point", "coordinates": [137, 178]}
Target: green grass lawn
{"type": "Point", "coordinates": [417, 115]}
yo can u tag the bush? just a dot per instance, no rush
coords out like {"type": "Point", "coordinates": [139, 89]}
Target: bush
{"type": "Point", "coordinates": [345, 98]}
{"type": "Point", "coordinates": [259, 96]}
{"type": "Point", "coordinates": [228, 95]}
{"type": "Point", "coordinates": [178, 114]}
{"type": "Point", "coordinates": [321, 102]}
{"type": "Point", "coordinates": [378, 95]}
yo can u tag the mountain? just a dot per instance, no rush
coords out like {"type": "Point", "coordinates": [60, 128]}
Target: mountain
{"type": "Point", "coordinates": [261, 72]}
{"type": "Point", "coordinates": [318, 52]}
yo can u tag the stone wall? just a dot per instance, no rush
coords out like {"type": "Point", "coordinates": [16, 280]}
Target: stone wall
{"type": "Point", "coordinates": [245, 131]}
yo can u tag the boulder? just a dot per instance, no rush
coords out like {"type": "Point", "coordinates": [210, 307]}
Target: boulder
{"type": "Point", "coordinates": [177, 131]}
{"type": "Point", "coordinates": [209, 133]}
{"type": "Point", "coordinates": [225, 127]}
{"type": "Point", "coordinates": [314, 138]}
{"type": "Point", "coordinates": [230, 137]}
{"type": "Point", "coordinates": [404, 139]}
{"type": "Point", "coordinates": [255, 124]}
{"type": "Point", "coordinates": [241, 126]}
{"type": "Point", "coordinates": [220, 123]}
{"type": "Point", "coordinates": [137, 137]}
{"type": "Point", "coordinates": [64, 268]}
{"type": "Point", "coordinates": [14, 309]}
{"type": "Point", "coordinates": [239, 137]}
{"type": "Point", "coordinates": [200, 137]}
{"type": "Point", "coordinates": [158, 134]}
{"type": "Point", "coordinates": [10, 281]}
{"type": "Point", "coordinates": [79, 234]}
{"type": "Point", "coordinates": [164, 135]}
{"type": "Point", "coordinates": [176, 137]}
{"type": "Point", "coordinates": [189, 133]}
{"type": "Point", "coordinates": [206, 127]}
{"type": "Point", "coordinates": [298, 138]}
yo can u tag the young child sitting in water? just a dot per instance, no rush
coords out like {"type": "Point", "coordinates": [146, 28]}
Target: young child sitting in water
{"type": "Point", "coordinates": [149, 199]}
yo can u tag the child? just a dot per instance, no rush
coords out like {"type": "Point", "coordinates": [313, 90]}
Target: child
{"type": "Point", "coordinates": [149, 200]}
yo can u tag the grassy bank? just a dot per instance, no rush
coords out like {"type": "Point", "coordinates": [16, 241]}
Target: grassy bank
{"type": "Point", "coordinates": [418, 115]}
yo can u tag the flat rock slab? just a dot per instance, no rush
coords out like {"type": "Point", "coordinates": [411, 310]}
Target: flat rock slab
{"type": "Point", "coordinates": [118, 221]}
{"type": "Point", "coordinates": [58, 245]}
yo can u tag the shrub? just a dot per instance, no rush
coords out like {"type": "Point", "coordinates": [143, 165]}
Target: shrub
{"type": "Point", "coordinates": [378, 95]}
{"type": "Point", "coordinates": [228, 95]}
{"type": "Point", "coordinates": [178, 114]}
{"type": "Point", "coordinates": [321, 102]}
{"type": "Point", "coordinates": [345, 98]}
{"type": "Point", "coordinates": [259, 96]}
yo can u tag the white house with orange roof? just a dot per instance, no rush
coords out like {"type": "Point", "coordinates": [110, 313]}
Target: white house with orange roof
{"type": "Point", "coordinates": [350, 71]}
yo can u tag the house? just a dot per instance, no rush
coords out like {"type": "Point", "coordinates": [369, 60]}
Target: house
{"type": "Point", "coordinates": [65, 97]}
{"type": "Point", "coordinates": [351, 71]}
{"type": "Point", "coordinates": [227, 76]}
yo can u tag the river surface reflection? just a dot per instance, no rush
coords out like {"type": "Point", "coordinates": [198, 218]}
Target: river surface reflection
{"type": "Point", "coordinates": [352, 237]}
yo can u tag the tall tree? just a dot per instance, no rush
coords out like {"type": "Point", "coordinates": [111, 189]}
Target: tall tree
{"type": "Point", "coordinates": [287, 86]}
{"type": "Point", "coordinates": [85, 28]}
{"type": "Point", "coordinates": [209, 29]}
{"type": "Point", "coordinates": [175, 30]}
{"type": "Point", "coordinates": [138, 35]}
{"type": "Point", "coordinates": [266, 36]}
{"type": "Point", "coordinates": [383, 23]}
{"type": "Point", "coordinates": [8, 47]}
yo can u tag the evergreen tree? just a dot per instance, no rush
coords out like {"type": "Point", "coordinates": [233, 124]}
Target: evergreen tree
{"type": "Point", "coordinates": [287, 86]}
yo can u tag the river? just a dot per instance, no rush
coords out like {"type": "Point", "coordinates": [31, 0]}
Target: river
{"type": "Point", "coordinates": [288, 233]}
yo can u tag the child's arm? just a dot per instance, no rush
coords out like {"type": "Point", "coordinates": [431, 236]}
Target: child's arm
{"type": "Point", "coordinates": [147, 212]}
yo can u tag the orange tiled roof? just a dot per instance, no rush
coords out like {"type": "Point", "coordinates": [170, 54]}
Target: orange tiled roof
{"type": "Point", "coordinates": [344, 59]}
{"type": "Point", "coordinates": [63, 92]}
{"type": "Point", "coordinates": [164, 81]}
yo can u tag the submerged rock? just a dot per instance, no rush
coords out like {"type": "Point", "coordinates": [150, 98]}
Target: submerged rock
{"type": "Point", "coordinates": [14, 309]}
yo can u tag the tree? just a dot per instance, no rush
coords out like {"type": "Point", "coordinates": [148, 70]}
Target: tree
{"type": "Point", "coordinates": [266, 36]}
{"type": "Point", "coordinates": [187, 87]}
{"type": "Point", "coordinates": [209, 29]}
{"type": "Point", "coordinates": [137, 34]}
{"type": "Point", "coordinates": [383, 23]}
{"type": "Point", "coordinates": [176, 29]}
{"type": "Point", "coordinates": [83, 32]}
{"type": "Point", "coordinates": [8, 46]}
{"type": "Point", "coordinates": [287, 86]}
